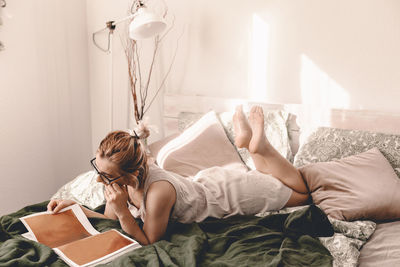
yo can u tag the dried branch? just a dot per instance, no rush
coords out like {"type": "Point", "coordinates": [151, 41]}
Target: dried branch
{"type": "Point", "coordinates": [169, 29]}
{"type": "Point", "coordinates": [139, 72]}
{"type": "Point", "coordinates": [165, 76]}
{"type": "Point", "coordinates": [129, 48]}
{"type": "Point", "coordinates": [149, 75]}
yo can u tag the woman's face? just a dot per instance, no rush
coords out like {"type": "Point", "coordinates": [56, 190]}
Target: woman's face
{"type": "Point", "coordinates": [108, 171]}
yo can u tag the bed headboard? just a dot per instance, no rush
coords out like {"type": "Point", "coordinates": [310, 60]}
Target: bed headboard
{"type": "Point", "coordinates": [305, 118]}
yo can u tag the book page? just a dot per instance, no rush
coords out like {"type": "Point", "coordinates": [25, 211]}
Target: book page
{"type": "Point", "coordinates": [95, 249]}
{"type": "Point", "coordinates": [54, 230]}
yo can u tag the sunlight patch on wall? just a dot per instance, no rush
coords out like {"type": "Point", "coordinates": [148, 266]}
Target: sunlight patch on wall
{"type": "Point", "coordinates": [318, 89]}
{"type": "Point", "coordinates": [319, 93]}
{"type": "Point", "coordinates": [259, 46]}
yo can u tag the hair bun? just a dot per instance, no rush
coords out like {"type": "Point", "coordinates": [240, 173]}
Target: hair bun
{"type": "Point", "coordinates": [141, 131]}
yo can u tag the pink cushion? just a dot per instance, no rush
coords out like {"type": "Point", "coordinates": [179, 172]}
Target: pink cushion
{"type": "Point", "coordinates": [201, 146]}
{"type": "Point", "coordinates": [156, 146]}
{"type": "Point", "coordinates": [362, 186]}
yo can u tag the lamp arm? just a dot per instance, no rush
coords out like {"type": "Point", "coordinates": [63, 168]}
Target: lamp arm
{"type": "Point", "coordinates": [110, 25]}
{"type": "Point", "coordinates": [124, 19]}
{"type": "Point", "coordinates": [108, 42]}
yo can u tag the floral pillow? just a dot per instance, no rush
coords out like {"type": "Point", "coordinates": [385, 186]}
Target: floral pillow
{"type": "Point", "coordinates": [327, 144]}
{"type": "Point", "coordinates": [275, 122]}
{"type": "Point", "coordinates": [346, 243]}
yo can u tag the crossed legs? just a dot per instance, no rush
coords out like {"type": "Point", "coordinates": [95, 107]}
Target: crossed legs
{"type": "Point", "coordinates": [250, 134]}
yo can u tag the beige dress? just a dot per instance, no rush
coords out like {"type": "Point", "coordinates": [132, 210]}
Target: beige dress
{"type": "Point", "coordinates": [218, 192]}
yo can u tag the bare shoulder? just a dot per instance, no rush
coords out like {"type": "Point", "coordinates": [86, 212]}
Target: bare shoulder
{"type": "Point", "coordinates": [161, 192]}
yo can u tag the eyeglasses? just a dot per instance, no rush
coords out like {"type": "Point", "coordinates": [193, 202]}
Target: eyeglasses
{"type": "Point", "coordinates": [102, 175]}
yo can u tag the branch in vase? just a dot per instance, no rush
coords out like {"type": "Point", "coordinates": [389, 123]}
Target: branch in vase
{"type": "Point", "coordinates": [129, 48]}
{"type": "Point", "coordinates": [132, 52]}
{"type": "Point", "coordinates": [156, 43]}
{"type": "Point", "coordinates": [165, 76]}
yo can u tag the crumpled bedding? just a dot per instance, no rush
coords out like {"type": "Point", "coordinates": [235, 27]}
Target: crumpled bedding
{"type": "Point", "coordinates": [274, 240]}
{"type": "Point", "coordinates": [347, 241]}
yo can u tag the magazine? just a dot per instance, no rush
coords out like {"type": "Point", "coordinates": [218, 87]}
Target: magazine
{"type": "Point", "coordinates": [70, 234]}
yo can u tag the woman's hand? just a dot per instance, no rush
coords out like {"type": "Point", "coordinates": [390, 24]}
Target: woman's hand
{"type": "Point", "coordinates": [117, 198]}
{"type": "Point", "coordinates": [55, 205]}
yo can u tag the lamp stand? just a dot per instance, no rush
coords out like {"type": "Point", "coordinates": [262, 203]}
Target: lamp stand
{"type": "Point", "coordinates": [111, 26]}
{"type": "Point", "coordinates": [110, 83]}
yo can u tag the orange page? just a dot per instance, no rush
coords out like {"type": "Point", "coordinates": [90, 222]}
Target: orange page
{"type": "Point", "coordinates": [54, 230]}
{"type": "Point", "coordinates": [94, 247]}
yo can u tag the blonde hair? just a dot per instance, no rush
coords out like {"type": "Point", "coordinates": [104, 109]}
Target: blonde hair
{"type": "Point", "coordinates": [127, 153]}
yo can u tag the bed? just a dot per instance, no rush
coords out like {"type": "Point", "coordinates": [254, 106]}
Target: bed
{"type": "Point", "coordinates": [319, 234]}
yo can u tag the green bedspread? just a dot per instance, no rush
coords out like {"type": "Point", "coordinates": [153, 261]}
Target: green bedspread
{"type": "Point", "coordinates": [274, 240]}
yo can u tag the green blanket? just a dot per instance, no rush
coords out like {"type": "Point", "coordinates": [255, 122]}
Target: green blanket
{"type": "Point", "coordinates": [274, 240]}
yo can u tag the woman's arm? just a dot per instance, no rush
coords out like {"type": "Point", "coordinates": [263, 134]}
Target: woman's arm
{"type": "Point", "coordinates": [161, 197]}
{"type": "Point", "coordinates": [109, 213]}
{"type": "Point", "coordinates": [55, 205]}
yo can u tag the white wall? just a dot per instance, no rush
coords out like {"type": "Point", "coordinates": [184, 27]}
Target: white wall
{"type": "Point", "coordinates": [342, 53]}
{"type": "Point", "coordinates": [44, 99]}
{"type": "Point", "coordinates": [98, 13]}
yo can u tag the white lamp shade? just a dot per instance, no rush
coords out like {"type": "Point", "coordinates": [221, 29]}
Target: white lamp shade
{"type": "Point", "coordinates": [145, 25]}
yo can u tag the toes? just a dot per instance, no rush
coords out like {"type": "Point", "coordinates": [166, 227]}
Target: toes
{"type": "Point", "coordinates": [256, 111]}
{"type": "Point", "coordinates": [259, 110]}
{"type": "Point", "coordinates": [239, 112]}
{"type": "Point", "coordinates": [239, 108]}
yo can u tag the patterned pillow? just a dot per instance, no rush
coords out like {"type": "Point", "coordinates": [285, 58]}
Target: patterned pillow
{"type": "Point", "coordinates": [348, 239]}
{"type": "Point", "coordinates": [327, 144]}
{"type": "Point", "coordinates": [275, 122]}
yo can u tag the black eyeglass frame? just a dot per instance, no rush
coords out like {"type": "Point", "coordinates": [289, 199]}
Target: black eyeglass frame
{"type": "Point", "coordinates": [102, 176]}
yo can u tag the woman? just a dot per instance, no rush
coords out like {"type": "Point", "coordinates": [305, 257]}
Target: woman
{"type": "Point", "coordinates": [135, 188]}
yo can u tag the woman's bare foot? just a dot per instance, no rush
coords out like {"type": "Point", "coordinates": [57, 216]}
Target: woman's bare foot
{"type": "Point", "coordinates": [242, 128]}
{"type": "Point", "coordinates": [258, 142]}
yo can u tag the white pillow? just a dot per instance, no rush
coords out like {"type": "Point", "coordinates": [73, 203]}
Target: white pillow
{"type": "Point", "coordinates": [275, 127]}
{"type": "Point", "coordinates": [84, 189]}
{"type": "Point", "coordinates": [202, 145]}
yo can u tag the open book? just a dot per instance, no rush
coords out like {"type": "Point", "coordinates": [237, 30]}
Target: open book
{"type": "Point", "coordinates": [70, 234]}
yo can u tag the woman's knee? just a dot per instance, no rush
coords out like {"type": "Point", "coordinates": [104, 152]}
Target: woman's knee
{"type": "Point", "coordinates": [297, 199]}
